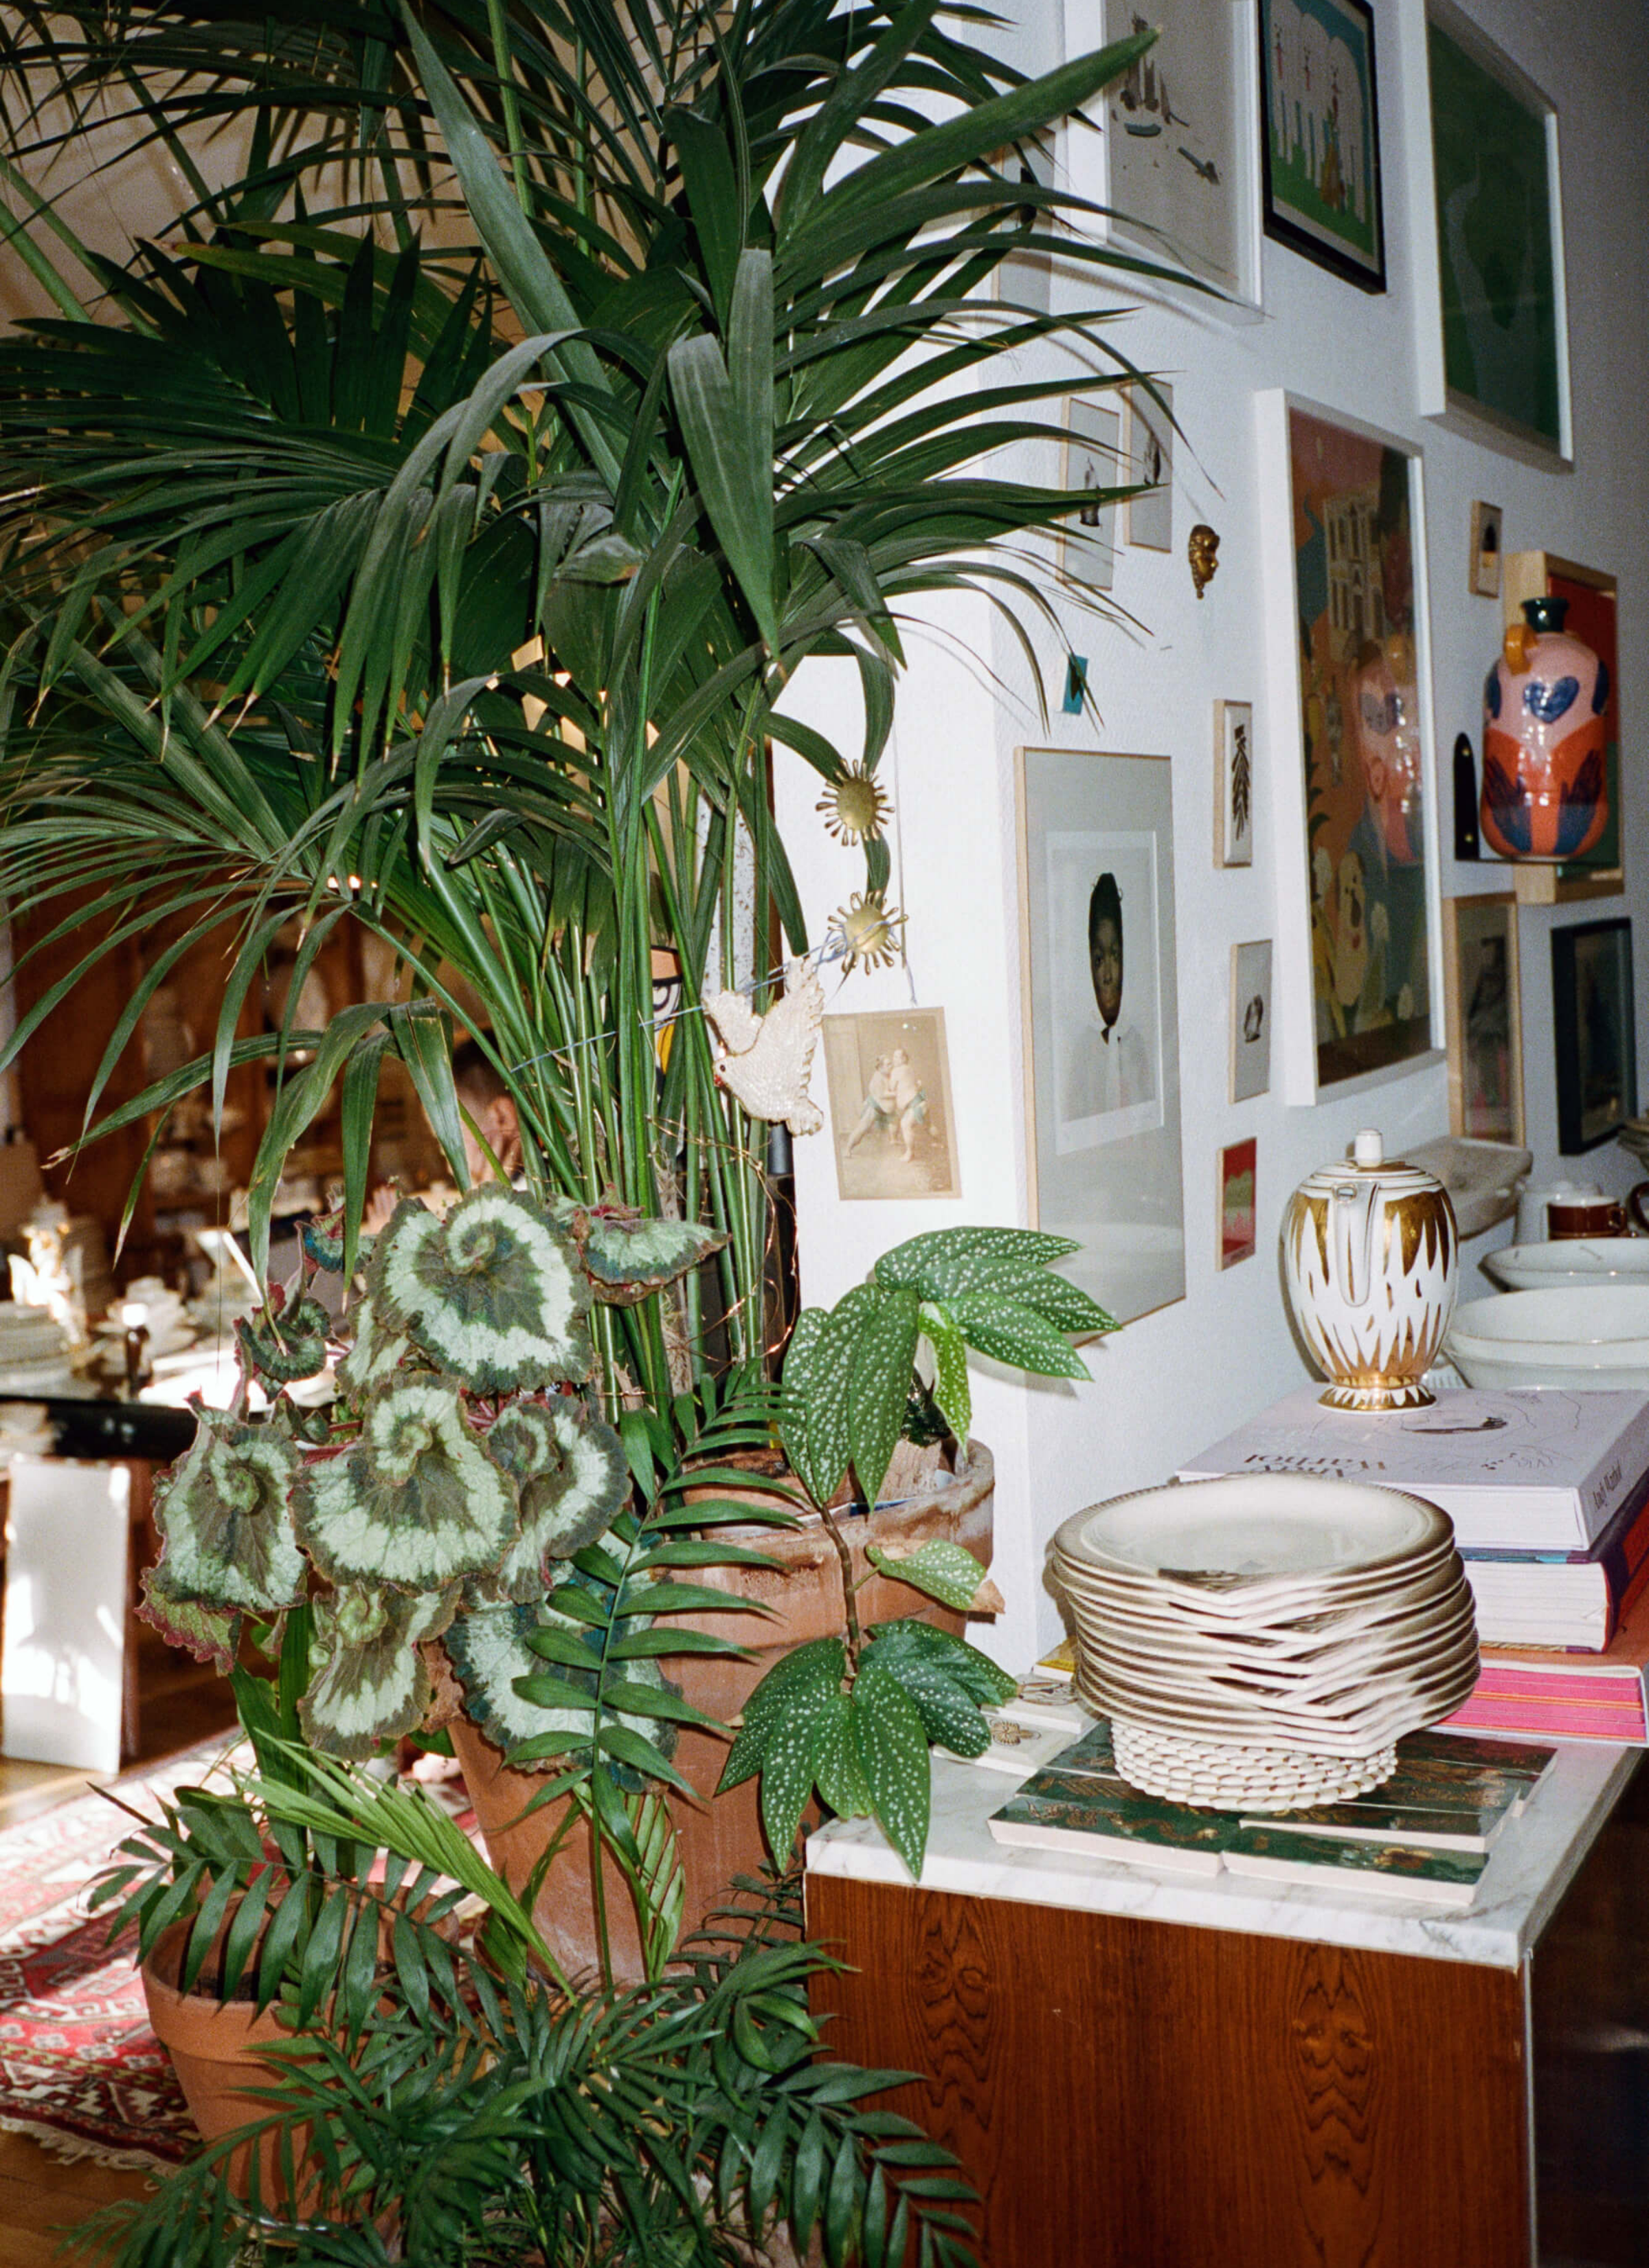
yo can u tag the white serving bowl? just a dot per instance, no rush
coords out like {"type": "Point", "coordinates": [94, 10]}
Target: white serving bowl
{"type": "Point", "coordinates": [1594, 1335]}
{"type": "Point", "coordinates": [1574, 1262]}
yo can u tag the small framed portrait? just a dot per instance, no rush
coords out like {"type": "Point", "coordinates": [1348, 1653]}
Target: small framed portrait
{"type": "Point", "coordinates": [889, 1080]}
{"type": "Point", "coordinates": [1597, 1047]}
{"type": "Point", "coordinates": [1483, 569]}
{"type": "Point", "coordinates": [1151, 464]}
{"type": "Point", "coordinates": [1237, 1163]}
{"type": "Point", "coordinates": [1485, 1018]}
{"type": "Point", "coordinates": [1102, 1078]}
{"type": "Point", "coordinates": [1250, 1020]}
{"type": "Point", "coordinates": [1087, 543]}
{"type": "Point", "coordinates": [1320, 135]}
{"type": "Point", "coordinates": [1233, 783]}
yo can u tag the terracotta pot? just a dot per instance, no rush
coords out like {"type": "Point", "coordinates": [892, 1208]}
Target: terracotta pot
{"type": "Point", "coordinates": [722, 1838]}
{"type": "Point", "coordinates": [217, 2049]}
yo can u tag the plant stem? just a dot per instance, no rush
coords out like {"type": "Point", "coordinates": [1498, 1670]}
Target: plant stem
{"type": "Point", "coordinates": [855, 1640]}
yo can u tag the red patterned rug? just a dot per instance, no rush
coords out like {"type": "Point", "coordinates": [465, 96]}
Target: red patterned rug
{"type": "Point", "coordinates": [79, 2067]}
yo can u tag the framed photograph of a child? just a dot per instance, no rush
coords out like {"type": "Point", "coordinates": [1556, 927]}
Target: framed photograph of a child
{"type": "Point", "coordinates": [1103, 1088]}
{"type": "Point", "coordinates": [891, 1120]}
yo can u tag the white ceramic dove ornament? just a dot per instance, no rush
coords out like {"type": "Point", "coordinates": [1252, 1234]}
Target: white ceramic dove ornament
{"type": "Point", "coordinates": [766, 1062]}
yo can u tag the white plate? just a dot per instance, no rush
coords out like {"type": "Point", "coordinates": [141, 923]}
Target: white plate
{"type": "Point", "coordinates": [1257, 1527]}
{"type": "Point", "coordinates": [1283, 1605]}
{"type": "Point", "coordinates": [1597, 1337]}
{"type": "Point", "coordinates": [1572, 1263]}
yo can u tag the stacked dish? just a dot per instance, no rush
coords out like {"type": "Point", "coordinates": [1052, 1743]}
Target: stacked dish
{"type": "Point", "coordinates": [1260, 1643]}
{"type": "Point", "coordinates": [1567, 1335]}
{"type": "Point", "coordinates": [1572, 1263]}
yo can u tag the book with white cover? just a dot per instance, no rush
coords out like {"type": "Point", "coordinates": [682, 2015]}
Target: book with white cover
{"type": "Point", "coordinates": [1530, 1468]}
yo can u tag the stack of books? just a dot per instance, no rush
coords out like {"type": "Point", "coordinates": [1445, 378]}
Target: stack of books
{"type": "Point", "coordinates": [1425, 1834]}
{"type": "Point", "coordinates": [1548, 1493]}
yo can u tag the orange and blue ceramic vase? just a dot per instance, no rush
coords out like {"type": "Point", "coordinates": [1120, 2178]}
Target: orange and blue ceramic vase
{"type": "Point", "coordinates": [1545, 783]}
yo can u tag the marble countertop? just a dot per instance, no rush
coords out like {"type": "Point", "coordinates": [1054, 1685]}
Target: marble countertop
{"type": "Point", "coordinates": [1529, 1868]}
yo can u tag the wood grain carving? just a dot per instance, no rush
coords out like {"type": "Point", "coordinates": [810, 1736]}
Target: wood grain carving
{"type": "Point", "coordinates": [1131, 2094]}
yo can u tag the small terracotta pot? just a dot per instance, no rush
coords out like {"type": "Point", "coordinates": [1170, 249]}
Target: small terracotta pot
{"type": "Point", "coordinates": [722, 1837]}
{"type": "Point", "coordinates": [217, 2050]}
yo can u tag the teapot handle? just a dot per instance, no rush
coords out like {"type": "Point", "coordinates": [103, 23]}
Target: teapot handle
{"type": "Point", "coordinates": [1353, 1217]}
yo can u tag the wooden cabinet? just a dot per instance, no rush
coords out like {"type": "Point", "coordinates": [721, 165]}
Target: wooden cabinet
{"type": "Point", "coordinates": [1131, 2092]}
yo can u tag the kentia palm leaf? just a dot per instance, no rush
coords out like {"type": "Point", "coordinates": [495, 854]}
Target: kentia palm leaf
{"type": "Point", "coordinates": [279, 524]}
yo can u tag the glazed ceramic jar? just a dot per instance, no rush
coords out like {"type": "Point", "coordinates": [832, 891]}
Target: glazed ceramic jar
{"type": "Point", "coordinates": [1545, 783]}
{"type": "Point", "coordinates": [1370, 1254]}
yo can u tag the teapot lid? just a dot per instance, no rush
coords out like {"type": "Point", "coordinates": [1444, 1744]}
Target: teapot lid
{"type": "Point", "coordinates": [1369, 1149]}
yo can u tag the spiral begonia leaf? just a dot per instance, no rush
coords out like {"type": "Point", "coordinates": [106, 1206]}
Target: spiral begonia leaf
{"type": "Point", "coordinates": [226, 1516]}
{"type": "Point", "coordinates": [416, 1502]}
{"type": "Point", "coordinates": [375, 1352]}
{"type": "Point", "coordinates": [629, 1257]}
{"type": "Point", "coordinates": [280, 1350]}
{"type": "Point", "coordinates": [370, 1680]}
{"type": "Point", "coordinates": [571, 1476]}
{"type": "Point", "coordinates": [494, 1294]}
{"type": "Point", "coordinates": [208, 1634]}
{"type": "Point", "coordinates": [487, 1648]}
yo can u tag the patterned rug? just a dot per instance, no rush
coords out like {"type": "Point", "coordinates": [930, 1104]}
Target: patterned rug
{"type": "Point", "coordinates": [79, 2067]}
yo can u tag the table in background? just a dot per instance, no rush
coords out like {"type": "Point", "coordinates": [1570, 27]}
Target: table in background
{"type": "Point", "coordinates": [1141, 2070]}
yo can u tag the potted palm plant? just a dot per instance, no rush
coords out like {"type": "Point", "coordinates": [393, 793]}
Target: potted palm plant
{"type": "Point", "coordinates": [423, 538]}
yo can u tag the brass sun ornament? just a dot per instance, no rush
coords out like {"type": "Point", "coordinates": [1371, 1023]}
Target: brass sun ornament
{"type": "Point", "coordinates": [854, 806]}
{"type": "Point", "coordinates": [869, 931]}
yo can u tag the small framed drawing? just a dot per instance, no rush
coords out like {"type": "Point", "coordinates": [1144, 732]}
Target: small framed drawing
{"type": "Point", "coordinates": [1233, 783]}
{"type": "Point", "coordinates": [1597, 1046]}
{"type": "Point", "coordinates": [889, 1079]}
{"type": "Point", "coordinates": [1174, 165]}
{"type": "Point", "coordinates": [1103, 1072]}
{"type": "Point", "coordinates": [1250, 1020]}
{"type": "Point", "coordinates": [1485, 1017]}
{"type": "Point", "coordinates": [1493, 351]}
{"type": "Point", "coordinates": [1483, 570]}
{"type": "Point", "coordinates": [1151, 463]}
{"type": "Point", "coordinates": [1320, 134]}
{"type": "Point", "coordinates": [1237, 1164]}
{"type": "Point", "coordinates": [1087, 546]}
{"type": "Point", "coordinates": [1350, 791]}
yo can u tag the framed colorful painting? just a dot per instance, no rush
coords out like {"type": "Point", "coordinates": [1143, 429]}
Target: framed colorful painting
{"type": "Point", "coordinates": [1320, 134]}
{"type": "Point", "coordinates": [1237, 1169]}
{"type": "Point", "coordinates": [1102, 1068]}
{"type": "Point", "coordinates": [1488, 236]}
{"type": "Point", "coordinates": [1349, 665]}
{"type": "Point", "coordinates": [1485, 1017]}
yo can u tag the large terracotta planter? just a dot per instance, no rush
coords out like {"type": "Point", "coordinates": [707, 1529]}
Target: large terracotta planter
{"type": "Point", "coordinates": [722, 1838]}
{"type": "Point", "coordinates": [217, 2049]}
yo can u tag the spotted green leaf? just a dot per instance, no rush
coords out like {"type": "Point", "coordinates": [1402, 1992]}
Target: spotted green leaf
{"type": "Point", "coordinates": [417, 1503]}
{"type": "Point", "coordinates": [945, 1261]}
{"type": "Point", "coordinates": [974, 1672]}
{"type": "Point", "coordinates": [1064, 1304]}
{"type": "Point", "coordinates": [791, 1686]}
{"type": "Point", "coordinates": [494, 1294]}
{"type": "Point", "coordinates": [950, 1715]}
{"type": "Point", "coordinates": [830, 1370]}
{"type": "Point", "coordinates": [788, 1763]}
{"type": "Point", "coordinates": [226, 1516]}
{"type": "Point", "coordinates": [209, 1633]}
{"type": "Point", "coordinates": [893, 1754]}
{"type": "Point", "coordinates": [571, 1479]}
{"type": "Point", "coordinates": [838, 1774]}
{"type": "Point", "coordinates": [885, 1347]}
{"type": "Point", "coordinates": [793, 1390]}
{"type": "Point", "coordinates": [951, 1390]}
{"type": "Point", "coordinates": [946, 1572]}
{"type": "Point", "coordinates": [369, 1682]}
{"type": "Point", "coordinates": [1011, 1332]}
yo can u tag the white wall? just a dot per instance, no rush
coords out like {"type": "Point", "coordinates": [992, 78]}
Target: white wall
{"type": "Point", "coordinates": [1174, 1381]}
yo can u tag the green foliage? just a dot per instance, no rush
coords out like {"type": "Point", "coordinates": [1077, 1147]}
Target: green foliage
{"type": "Point", "coordinates": [493, 1294]}
{"type": "Point", "coordinates": [848, 1374]}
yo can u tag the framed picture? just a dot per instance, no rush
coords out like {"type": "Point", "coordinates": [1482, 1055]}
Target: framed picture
{"type": "Point", "coordinates": [1101, 1013]}
{"type": "Point", "coordinates": [1485, 1017]}
{"type": "Point", "coordinates": [1151, 460]}
{"type": "Point", "coordinates": [1233, 783]}
{"type": "Point", "coordinates": [1320, 134]}
{"type": "Point", "coordinates": [1087, 544]}
{"type": "Point", "coordinates": [1250, 1020]}
{"type": "Point", "coordinates": [1597, 1046]}
{"type": "Point", "coordinates": [1174, 163]}
{"type": "Point", "coordinates": [1349, 664]}
{"type": "Point", "coordinates": [1237, 1164]}
{"type": "Point", "coordinates": [1483, 566]}
{"type": "Point", "coordinates": [891, 1120]}
{"type": "Point", "coordinates": [1493, 354]}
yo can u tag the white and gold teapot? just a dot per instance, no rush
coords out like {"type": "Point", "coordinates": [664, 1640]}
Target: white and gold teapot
{"type": "Point", "coordinates": [1370, 1253]}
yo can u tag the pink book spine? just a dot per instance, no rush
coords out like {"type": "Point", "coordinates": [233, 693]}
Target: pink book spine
{"type": "Point", "coordinates": [1545, 1716]}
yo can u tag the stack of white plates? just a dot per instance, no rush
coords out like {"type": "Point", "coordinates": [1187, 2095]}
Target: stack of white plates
{"type": "Point", "coordinates": [34, 1351]}
{"type": "Point", "coordinates": [1261, 1642]}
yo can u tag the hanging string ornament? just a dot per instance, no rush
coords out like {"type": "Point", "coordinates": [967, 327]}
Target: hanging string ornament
{"type": "Point", "coordinates": [766, 1062]}
{"type": "Point", "coordinates": [855, 807]}
{"type": "Point", "coordinates": [869, 930]}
